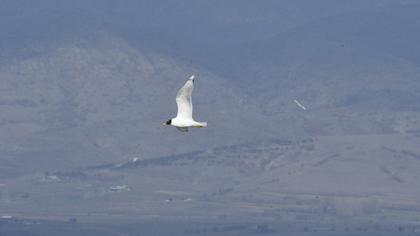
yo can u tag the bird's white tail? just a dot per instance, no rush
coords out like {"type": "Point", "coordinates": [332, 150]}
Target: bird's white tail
{"type": "Point", "coordinates": [201, 124]}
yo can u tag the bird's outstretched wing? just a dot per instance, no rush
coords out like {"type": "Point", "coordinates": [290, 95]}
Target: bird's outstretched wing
{"type": "Point", "coordinates": [184, 100]}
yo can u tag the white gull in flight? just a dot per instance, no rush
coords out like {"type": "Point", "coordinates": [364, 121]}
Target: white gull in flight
{"type": "Point", "coordinates": [184, 119]}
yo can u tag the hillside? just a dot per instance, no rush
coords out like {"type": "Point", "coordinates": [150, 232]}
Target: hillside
{"type": "Point", "coordinates": [86, 85]}
{"type": "Point", "coordinates": [337, 181]}
{"type": "Point", "coordinates": [81, 103]}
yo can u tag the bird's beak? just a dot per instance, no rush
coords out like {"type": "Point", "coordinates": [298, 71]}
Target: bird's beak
{"type": "Point", "coordinates": [164, 124]}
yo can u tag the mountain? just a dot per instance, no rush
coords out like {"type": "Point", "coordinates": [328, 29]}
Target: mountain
{"type": "Point", "coordinates": [81, 102]}
{"type": "Point", "coordinates": [334, 62]}
{"type": "Point", "coordinates": [85, 86]}
{"type": "Point", "coordinates": [356, 72]}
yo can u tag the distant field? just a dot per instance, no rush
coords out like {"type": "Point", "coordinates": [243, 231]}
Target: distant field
{"type": "Point", "coordinates": [162, 227]}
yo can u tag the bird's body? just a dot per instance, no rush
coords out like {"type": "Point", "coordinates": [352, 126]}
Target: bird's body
{"type": "Point", "coordinates": [186, 123]}
{"type": "Point", "coordinates": [184, 119]}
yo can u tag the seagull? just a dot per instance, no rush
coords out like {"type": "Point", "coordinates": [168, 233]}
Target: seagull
{"type": "Point", "coordinates": [300, 105]}
{"type": "Point", "coordinates": [184, 119]}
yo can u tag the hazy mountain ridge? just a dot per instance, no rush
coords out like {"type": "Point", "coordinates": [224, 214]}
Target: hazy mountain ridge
{"type": "Point", "coordinates": [85, 86]}
{"type": "Point", "coordinates": [328, 60]}
{"type": "Point", "coordinates": [89, 98]}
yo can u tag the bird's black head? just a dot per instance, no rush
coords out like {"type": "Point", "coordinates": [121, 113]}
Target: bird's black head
{"type": "Point", "coordinates": [169, 122]}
